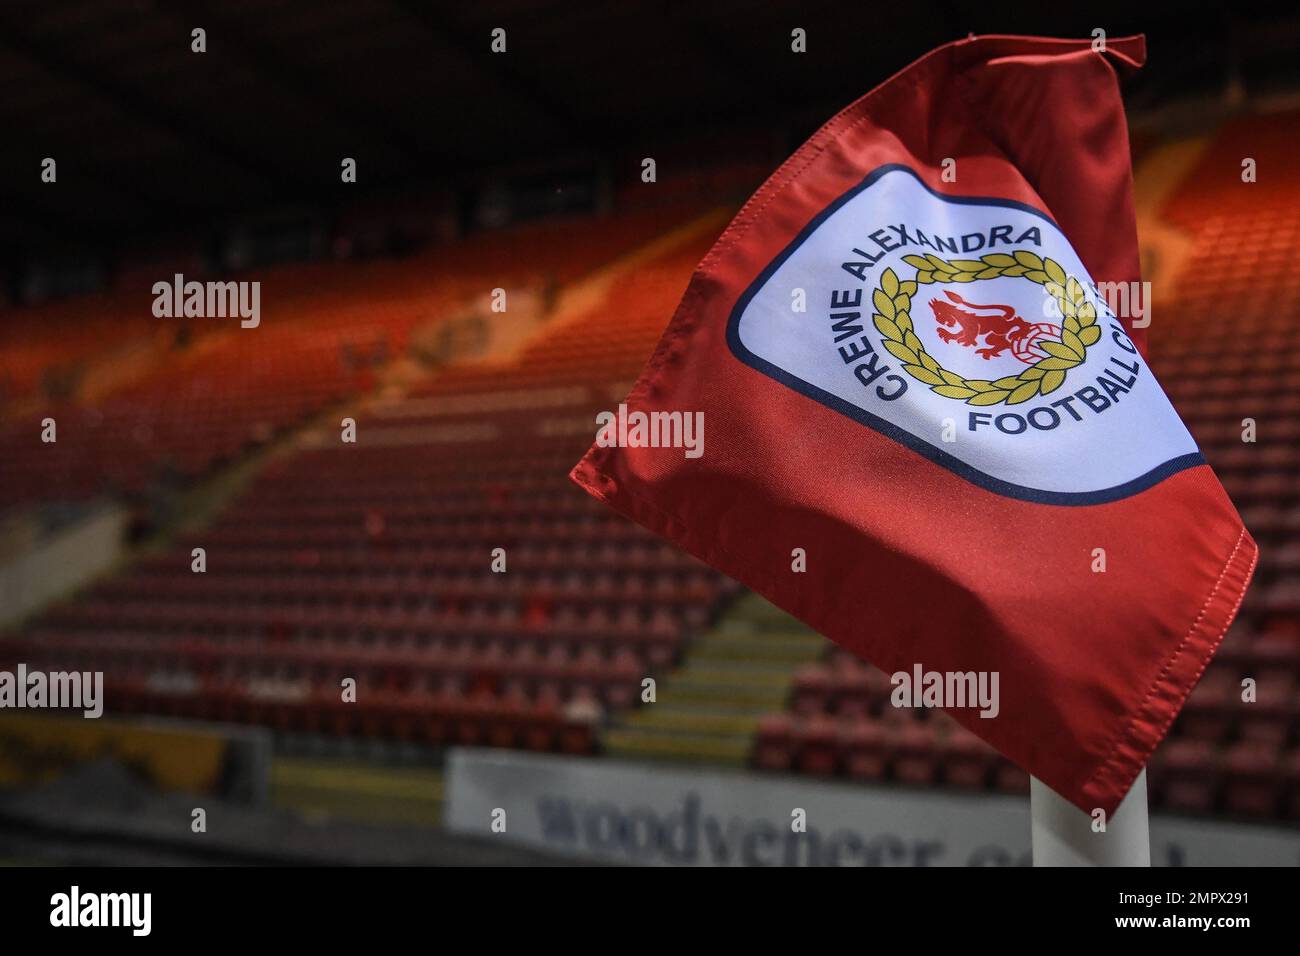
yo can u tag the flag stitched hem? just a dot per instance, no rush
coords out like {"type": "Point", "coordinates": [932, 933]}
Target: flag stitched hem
{"type": "Point", "coordinates": [1162, 703]}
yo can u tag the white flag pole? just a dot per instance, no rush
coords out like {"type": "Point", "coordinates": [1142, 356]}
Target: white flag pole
{"type": "Point", "coordinates": [1064, 835]}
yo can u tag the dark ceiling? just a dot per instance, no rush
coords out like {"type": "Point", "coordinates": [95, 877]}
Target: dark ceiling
{"type": "Point", "coordinates": [150, 137]}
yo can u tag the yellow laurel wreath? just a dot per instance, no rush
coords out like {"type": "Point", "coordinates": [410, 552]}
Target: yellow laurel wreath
{"type": "Point", "coordinates": [1079, 329]}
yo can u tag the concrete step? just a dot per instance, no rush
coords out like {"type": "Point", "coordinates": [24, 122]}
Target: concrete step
{"type": "Point", "coordinates": [732, 674]}
{"type": "Point", "coordinates": [709, 707]}
{"type": "Point", "coordinates": [708, 711]}
{"type": "Point", "coordinates": [792, 635]}
{"type": "Point", "coordinates": [678, 747]}
{"type": "Point", "coordinates": [767, 698]}
{"type": "Point", "coordinates": [755, 611]}
{"type": "Point", "coordinates": [661, 717]}
{"type": "Point", "coordinates": [759, 649]}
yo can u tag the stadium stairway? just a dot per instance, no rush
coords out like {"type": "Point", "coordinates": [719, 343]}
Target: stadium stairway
{"type": "Point", "coordinates": [1165, 247]}
{"type": "Point", "coordinates": [592, 292]}
{"type": "Point", "coordinates": [707, 711]}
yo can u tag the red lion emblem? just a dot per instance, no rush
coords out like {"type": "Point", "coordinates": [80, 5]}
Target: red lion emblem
{"type": "Point", "coordinates": [999, 325]}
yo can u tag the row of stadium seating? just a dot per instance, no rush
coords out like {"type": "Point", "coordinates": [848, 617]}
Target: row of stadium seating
{"type": "Point", "coordinates": [1225, 349]}
{"type": "Point", "coordinates": [228, 389]}
{"type": "Point", "coordinates": [374, 561]}
{"type": "Point", "coordinates": [189, 415]}
{"type": "Point", "coordinates": [886, 748]}
{"type": "Point", "coordinates": [1186, 775]}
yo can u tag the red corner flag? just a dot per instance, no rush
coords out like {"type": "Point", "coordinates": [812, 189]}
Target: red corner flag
{"type": "Point", "coordinates": [902, 350]}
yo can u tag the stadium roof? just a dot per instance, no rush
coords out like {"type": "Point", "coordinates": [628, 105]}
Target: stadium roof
{"type": "Point", "coordinates": [412, 91]}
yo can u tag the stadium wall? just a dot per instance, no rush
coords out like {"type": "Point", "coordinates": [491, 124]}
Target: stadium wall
{"type": "Point", "coordinates": [60, 563]}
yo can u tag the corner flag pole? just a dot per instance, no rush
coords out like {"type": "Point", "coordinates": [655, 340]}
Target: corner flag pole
{"type": "Point", "coordinates": [1064, 835]}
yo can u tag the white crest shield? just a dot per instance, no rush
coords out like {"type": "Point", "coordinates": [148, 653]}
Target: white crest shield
{"type": "Point", "coordinates": [969, 330]}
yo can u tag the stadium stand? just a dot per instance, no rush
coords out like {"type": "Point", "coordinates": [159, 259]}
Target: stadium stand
{"type": "Point", "coordinates": [1227, 358]}
{"type": "Point", "coordinates": [373, 561]}
{"type": "Point", "coordinates": [208, 394]}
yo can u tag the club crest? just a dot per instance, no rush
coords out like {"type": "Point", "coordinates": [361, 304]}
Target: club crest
{"type": "Point", "coordinates": [990, 329]}
{"type": "Point", "coordinates": [969, 330]}
{"type": "Point", "coordinates": [1045, 350]}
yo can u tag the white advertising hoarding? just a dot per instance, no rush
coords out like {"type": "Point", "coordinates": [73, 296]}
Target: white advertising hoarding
{"type": "Point", "coordinates": [666, 815]}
